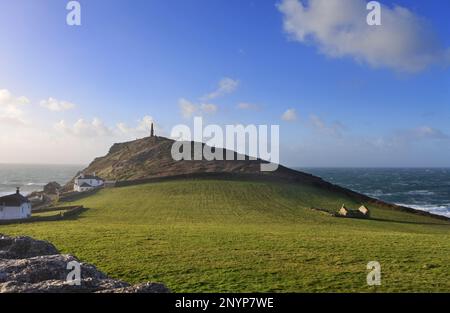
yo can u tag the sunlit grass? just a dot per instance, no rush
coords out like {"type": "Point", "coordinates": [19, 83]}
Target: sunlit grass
{"type": "Point", "coordinates": [228, 236]}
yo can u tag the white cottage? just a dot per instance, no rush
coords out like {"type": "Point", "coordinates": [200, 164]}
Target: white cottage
{"type": "Point", "coordinates": [15, 206]}
{"type": "Point", "coordinates": [87, 182]}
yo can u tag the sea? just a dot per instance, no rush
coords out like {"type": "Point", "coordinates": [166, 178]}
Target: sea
{"type": "Point", "coordinates": [33, 177]}
{"type": "Point", "coordinates": [425, 189]}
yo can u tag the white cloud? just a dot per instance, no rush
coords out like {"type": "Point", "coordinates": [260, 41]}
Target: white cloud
{"type": "Point", "coordinates": [430, 132]}
{"type": "Point", "coordinates": [404, 42]}
{"type": "Point", "coordinates": [226, 85]}
{"type": "Point", "coordinates": [83, 128]}
{"type": "Point", "coordinates": [418, 133]}
{"type": "Point", "coordinates": [45, 141]}
{"type": "Point", "coordinates": [142, 129]}
{"type": "Point", "coordinates": [208, 107]}
{"type": "Point", "coordinates": [333, 129]}
{"type": "Point", "coordinates": [55, 105]}
{"type": "Point", "coordinates": [289, 115]}
{"type": "Point", "coordinates": [123, 128]}
{"type": "Point", "coordinates": [401, 138]}
{"type": "Point", "coordinates": [188, 108]}
{"type": "Point", "coordinates": [96, 128]}
{"type": "Point", "coordinates": [7, 98]}
{"type": "Point", "coordinates": [145, 124]}
{"type": "Point", "coordinates": [11, 111]}
{"type": "Point", "coordinates": [247, 106]}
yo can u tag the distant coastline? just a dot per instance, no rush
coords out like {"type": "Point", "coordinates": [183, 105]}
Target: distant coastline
{"type": "Point", "coordinates": [33, 177]}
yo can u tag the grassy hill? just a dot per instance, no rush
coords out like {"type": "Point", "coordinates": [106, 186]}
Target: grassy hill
{"type": "Point", "coordinates": [243, 236]}
{"type": "Point", "coordinates": [152, 156]}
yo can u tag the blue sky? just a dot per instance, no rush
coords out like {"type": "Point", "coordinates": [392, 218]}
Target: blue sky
{"type": "Point", "coordinates": [69, 92]}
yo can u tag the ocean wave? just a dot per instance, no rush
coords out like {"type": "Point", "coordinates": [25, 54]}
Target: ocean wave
{"type": "Point", "coordinates": [420, 193]}
{"type": "Point", "coordinates": [378, 193]}
{"type": "Point", "coordinates": [443, 209]}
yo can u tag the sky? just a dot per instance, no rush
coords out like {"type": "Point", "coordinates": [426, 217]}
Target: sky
{"type": "Point", "coordinates": [344, 93]}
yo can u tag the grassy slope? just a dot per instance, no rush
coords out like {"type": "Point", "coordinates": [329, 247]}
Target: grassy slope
{"type": "Point", "coordinates": [206, 235]}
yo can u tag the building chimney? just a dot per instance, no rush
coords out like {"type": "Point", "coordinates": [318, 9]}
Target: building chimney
{"type": "Point", "coordinates": [152, 132]}
{"type": "Point", "coordinates": [18, 190]}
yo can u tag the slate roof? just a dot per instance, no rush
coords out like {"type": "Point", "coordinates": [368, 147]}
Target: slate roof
{"type": "Point", "coordinates": [13, 200]}
{"type": "Point", "coordinates": [89, 177]}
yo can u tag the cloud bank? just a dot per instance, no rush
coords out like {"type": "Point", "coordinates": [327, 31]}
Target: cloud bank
{"type": "Point", "coordinates": [11, 112]}
{"type": "Point", "coordinates": [83, 128]}
{"type": "Point", "coordinates": [55, 105]}
{"type": "Point", "coordinates": [188, 108]}
{"type": "Point", "coordinates": [405, 42]}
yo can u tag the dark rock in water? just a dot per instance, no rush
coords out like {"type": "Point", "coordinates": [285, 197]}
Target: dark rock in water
{"type": "Point", "coordinates": [34, 266]}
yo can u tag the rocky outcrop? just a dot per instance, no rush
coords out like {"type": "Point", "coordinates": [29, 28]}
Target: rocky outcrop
{"type": "Point", "coordinates": [151, 157]}
{"type": "Point", "coordinates": [24, 247]}
{"type": "Point", "coordinates": [52, 188]}
{"type": "Point", "coordinates": [33, 266]}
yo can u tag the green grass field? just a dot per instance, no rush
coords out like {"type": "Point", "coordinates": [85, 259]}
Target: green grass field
{"type": "Point", "coordinates": [228, 236]}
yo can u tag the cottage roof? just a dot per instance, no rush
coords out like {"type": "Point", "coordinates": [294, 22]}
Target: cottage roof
{"type": "Point", "coordinates": [85, 185]}
{"type": "Point", "coordinates": [13, 200]}
{"type": "Point", "coordinates": [89, 177]}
